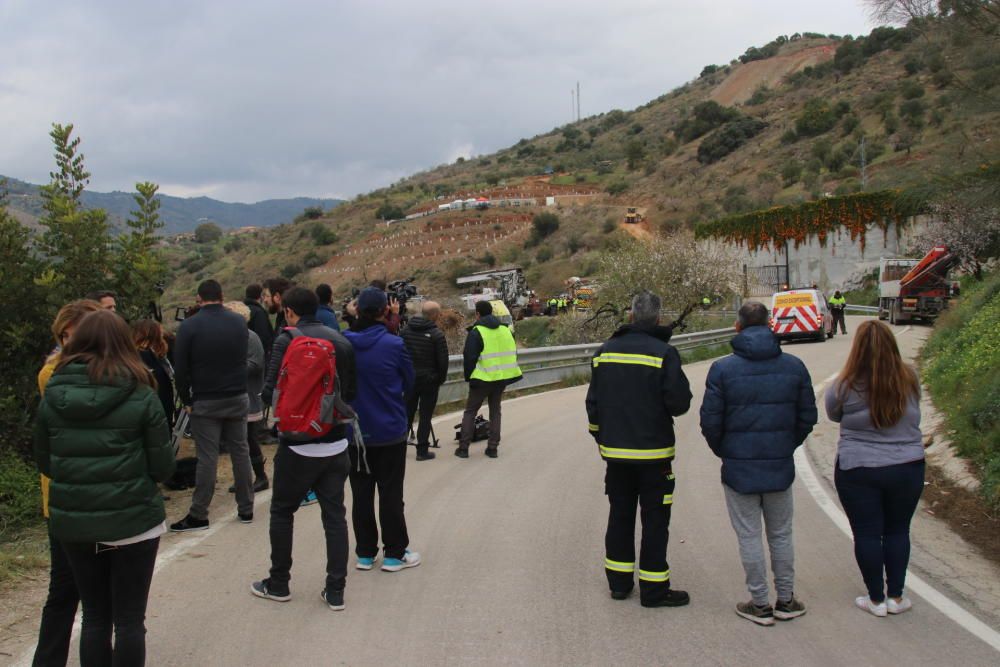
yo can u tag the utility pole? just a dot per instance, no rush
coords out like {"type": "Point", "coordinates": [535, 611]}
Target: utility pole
{"type": "Point", "coordinates": [572, 107]}
{"type": "Point", "coordinates": [864, 166]}
{"type": "Point", "coordinates": [578, 101]}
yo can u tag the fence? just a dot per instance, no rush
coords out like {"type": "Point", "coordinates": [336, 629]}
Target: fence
{"type": "Point", "coordinates": [543, 366]}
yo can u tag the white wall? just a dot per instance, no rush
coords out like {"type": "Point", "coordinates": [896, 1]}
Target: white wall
{"type": "Point", "coordinates": [841, 263]}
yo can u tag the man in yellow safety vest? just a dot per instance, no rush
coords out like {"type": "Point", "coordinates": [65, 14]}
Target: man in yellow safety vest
{"type": "Point", "coordinates": [490, 361]}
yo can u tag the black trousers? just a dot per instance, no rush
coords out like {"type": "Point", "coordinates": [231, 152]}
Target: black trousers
{"type": "Point", "coordinates": [651, 486]}
{"type": "Point", "coordinates": [60, 609]}
{"type": "Point", "coordinates": [423, 396]}
{"type": "Point", "coordinates": [294, 475]}
{"type": "Point", "coordinates": [114, 588]}
{"type": "Point", "coordinates": [838, 316]}
{"type": "Point", "coordinates": [388, 468]}
{"type": "Point", "coordinates": [492, 392]}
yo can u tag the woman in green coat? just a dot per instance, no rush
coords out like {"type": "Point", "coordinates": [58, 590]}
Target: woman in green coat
{"type": "Point", "coordinates": [101, 436]}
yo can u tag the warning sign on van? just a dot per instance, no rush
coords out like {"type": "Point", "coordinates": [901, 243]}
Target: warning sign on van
{"type": "Point", "coordinates": [792, 300]}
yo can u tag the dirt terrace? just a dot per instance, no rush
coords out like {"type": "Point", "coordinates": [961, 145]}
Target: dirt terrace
{"type": "Point", "coordinates": [417, 244]}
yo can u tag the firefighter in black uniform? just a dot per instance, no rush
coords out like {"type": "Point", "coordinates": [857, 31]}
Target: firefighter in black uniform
{"type": "Point", "coordinates": [636, 389]}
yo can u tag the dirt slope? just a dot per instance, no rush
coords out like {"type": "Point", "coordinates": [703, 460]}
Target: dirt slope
{"type": "Point", "coordinates": [740, 85]}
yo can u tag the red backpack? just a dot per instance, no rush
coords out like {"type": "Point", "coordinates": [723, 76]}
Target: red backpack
{"type": "Point", "coordinates": [305, 396]}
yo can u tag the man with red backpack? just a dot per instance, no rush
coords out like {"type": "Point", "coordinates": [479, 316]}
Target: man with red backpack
{"type": "Point", "coordinates": [310, 377]}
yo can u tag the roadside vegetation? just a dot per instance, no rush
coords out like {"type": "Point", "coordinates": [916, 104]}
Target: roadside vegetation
{"type": "Point", "coordinates": [961, 366]}
{"type": "Point", "coordinates": [74, 251]}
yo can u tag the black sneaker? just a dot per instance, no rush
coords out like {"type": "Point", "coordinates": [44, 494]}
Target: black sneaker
{"type": "Point", "coordinates": [462, 453]}
{"type": "Point", "coordinates": [759, 615]}
{"type": "Point", "coordinates": [333, 599]}
{"type": "Point", "coordinates": [245, 518]}
{"type": "Point", "coordinates": [262, 589]}
{"type": "Point", "coordinates": [787, 610]}
{"type": "Point", "coordinates": [621, 595]}
{"type": "Point", "coordinates": [673, 598]}
{"type": "Point", "coordinates": [491, 452]}
{"type": "Point", "coordinates": [189, 523]}
{"type": "Point", "coordinates": [424, 454]}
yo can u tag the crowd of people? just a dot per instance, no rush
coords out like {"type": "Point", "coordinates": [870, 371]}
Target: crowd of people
{"type": "Point", "coordinates": [343, 406]}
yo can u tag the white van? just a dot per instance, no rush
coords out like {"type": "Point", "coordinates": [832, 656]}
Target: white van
{"type": "Point", "coordinates": [801, 313]}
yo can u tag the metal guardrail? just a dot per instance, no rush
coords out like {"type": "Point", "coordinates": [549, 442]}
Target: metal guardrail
{"type": "Point", "coordinates": [548, 365]}
{"type": "Point", "coordinates": [542, 366]}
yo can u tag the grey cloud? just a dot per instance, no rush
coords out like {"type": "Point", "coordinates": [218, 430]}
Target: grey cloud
{"type": "Point", "coordinates": [249, 100]}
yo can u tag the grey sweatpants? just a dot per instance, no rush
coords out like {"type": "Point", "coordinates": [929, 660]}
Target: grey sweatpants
{"type": "Point", "coordinates": [215, 422]}
{"type": "Point", "coordinates": [745, 510]}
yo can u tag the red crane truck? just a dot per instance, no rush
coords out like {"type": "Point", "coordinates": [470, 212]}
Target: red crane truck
{"type": "Point", "coordinates": [912, 289]}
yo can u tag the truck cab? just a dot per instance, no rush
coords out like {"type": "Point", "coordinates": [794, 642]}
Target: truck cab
{"type": "Point", "coordinates": [915, 289]}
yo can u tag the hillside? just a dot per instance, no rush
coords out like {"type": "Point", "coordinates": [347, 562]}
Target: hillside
{"type": "Point", "coordinates": [791, 130]}
{"type": "Point", "coordinates": [179, 214]}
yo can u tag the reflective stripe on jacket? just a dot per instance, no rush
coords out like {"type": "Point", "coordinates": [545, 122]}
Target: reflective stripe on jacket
{"type": "Point", "coordinates": [498, 360]}
{"type": "Point", "coordinates": [636, 389]}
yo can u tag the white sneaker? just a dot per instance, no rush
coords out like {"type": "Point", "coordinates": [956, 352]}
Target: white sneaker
{"type": "Point", "coordinates": [409, 559]}
{"type": "Point", "coordinates": [865, 603]}
{"type": "Point", "coordinates": [894, 607]}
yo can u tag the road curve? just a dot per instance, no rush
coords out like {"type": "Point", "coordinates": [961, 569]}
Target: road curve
{"type": "Point", "coordinates": [513, 571]}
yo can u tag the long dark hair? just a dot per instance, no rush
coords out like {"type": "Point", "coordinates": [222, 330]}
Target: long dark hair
{"type": "Point", "coordinates": [876, 370]}
{"type": "Point", "coordinates": [103, 341]}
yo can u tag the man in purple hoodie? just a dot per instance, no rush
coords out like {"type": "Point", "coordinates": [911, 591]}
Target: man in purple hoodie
{"type": "Point", "coordinates": [385, 374]}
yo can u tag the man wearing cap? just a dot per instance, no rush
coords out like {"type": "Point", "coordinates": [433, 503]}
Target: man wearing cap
{"type": "Point", "coordinates": [490, 363]}
{"type": "Point", "coordinates": [385, 375]}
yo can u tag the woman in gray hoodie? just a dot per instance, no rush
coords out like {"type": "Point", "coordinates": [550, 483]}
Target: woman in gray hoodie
{"type": "Point", "coordinates": [880, 461]}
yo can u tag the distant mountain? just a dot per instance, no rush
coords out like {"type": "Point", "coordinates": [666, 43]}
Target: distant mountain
{"type": "Point", "coordinates": [179, 214]}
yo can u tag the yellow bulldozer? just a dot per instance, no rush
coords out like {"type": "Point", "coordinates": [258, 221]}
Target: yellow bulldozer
{"type": "Point", "coordinates": [632, 216]}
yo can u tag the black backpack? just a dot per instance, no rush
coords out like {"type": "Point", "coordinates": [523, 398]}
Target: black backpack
{"type": "Point", "coordinates": [481, 431]}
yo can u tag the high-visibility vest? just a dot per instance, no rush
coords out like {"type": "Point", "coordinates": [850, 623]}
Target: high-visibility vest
{"type": "Point", "coordinates": [706, 301]}
{"type": "Point", "coordinates": [838, 301]}
{"type": "Point", "coordinates": [498, 360]}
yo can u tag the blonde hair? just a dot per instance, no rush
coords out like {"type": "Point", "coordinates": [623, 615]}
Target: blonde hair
{"type": "Point", "coordinates": [70, 315]}
{"type": "Point", "coordinates": [239, 308]}
{"type": "Point", "coordinates": [875, 369]}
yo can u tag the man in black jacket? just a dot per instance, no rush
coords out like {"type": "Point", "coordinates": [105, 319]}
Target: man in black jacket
{"type": "Point", "coordinates": [321, 465]}
{"type": "Point", "coordinates": [429, 352]}
{"type": "Point", "coordinates": [636, 389]}
{"type": "Point", "coordinates": [259, 322]}
{"type": "Point", "coordinates": [273, 294]}
{"type": "Point", "coordinates": [210, 371]}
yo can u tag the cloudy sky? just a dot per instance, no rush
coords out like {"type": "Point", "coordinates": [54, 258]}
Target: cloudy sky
{"type": "Point", "coordinates": [256, 99]}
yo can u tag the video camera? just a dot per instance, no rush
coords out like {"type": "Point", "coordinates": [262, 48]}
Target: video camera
{"type": "Point", "coordinates": [402, 291]}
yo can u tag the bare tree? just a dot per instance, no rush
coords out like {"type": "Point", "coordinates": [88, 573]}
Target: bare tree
{"type": "Point", "coordinates": [971, 231]}
{"type": "Point", "coordinates": [899, 12]}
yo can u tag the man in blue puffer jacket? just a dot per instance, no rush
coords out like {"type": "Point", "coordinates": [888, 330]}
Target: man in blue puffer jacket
{"type": "Point", "coordinates": [385, 375]}
{"type": "Point", "coordinates": [759, 407]}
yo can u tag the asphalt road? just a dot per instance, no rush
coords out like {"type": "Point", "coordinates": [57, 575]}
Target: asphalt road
{"type": "Point", "coordinates": [513, 571]}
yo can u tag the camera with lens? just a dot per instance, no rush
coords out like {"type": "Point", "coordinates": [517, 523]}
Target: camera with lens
{"type": "Point", "coordinates": [402, 291]}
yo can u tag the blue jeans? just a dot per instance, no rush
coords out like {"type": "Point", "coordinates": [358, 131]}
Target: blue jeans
{"type": "Point", "coordinates": [879, 503]}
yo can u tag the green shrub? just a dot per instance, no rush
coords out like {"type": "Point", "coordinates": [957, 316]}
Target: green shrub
{"type": "Point", "coordinates": [728, 138]}
{"type": "Point", "coordinates": [312, 260]}
{"type": "Point", "coordinates": [291, 270]}
{"type": "Point", "coordinates": [617, 187]}
{"type": "Point", "coordinates": [789, 137]}
{"type": "Point", "coordinates": [816, 118]}
{"type": "Point", "coordinates": [791, 171]}
{"type": "Point", "coordinates": [911, 90]}
{"type": "Point", "coordinates": [20, 495]}
{"type": "Point", "coordinates": [544, 254]}
{"type": "Point", "coordinates": [961, 366]}
{"type": "Point", "coordinates": [322, 235]}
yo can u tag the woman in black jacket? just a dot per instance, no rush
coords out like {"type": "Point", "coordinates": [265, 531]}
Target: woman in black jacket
{"type": "Point", "coordinates": [152, 346]}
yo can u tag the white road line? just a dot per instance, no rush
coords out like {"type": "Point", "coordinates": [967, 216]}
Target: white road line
{"type": "Point", "coordinates": [944, 604]}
